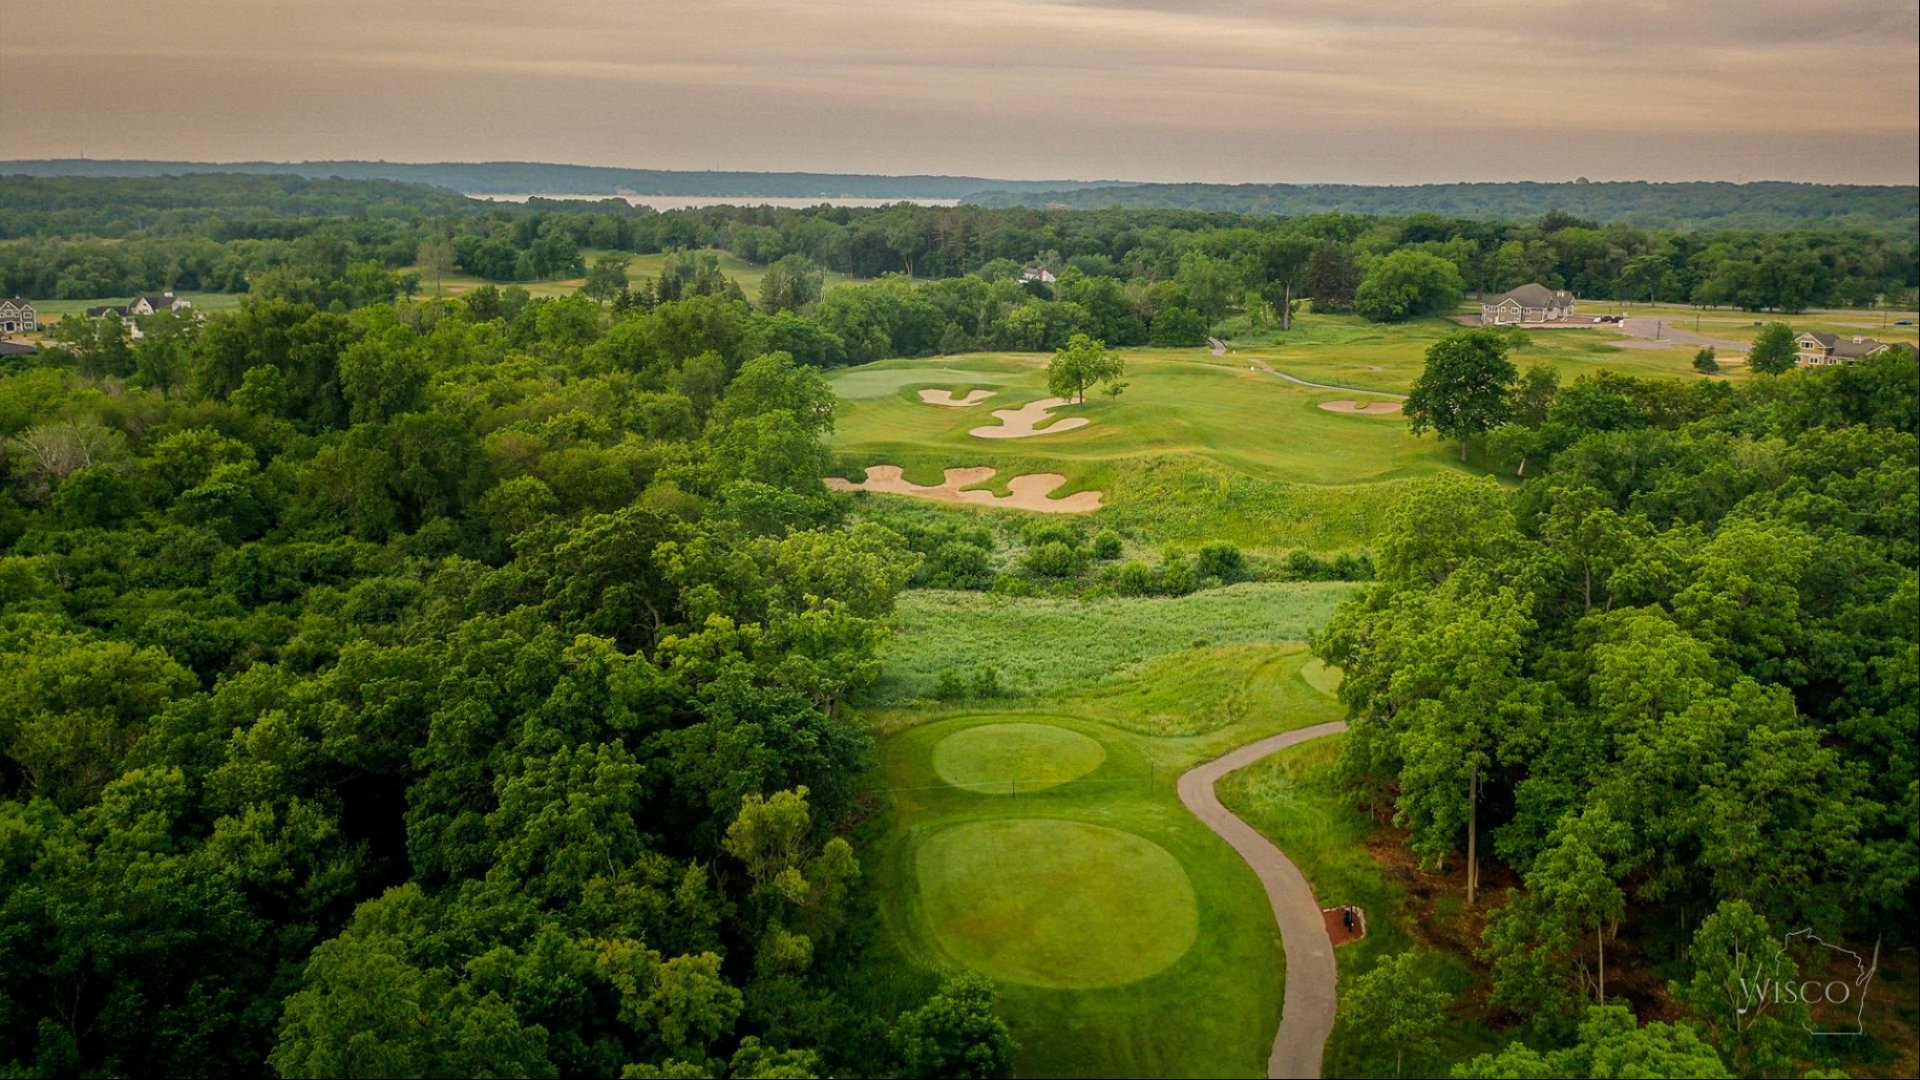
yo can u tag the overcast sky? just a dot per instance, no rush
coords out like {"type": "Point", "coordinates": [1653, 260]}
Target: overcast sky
{"type": "Point", "coordinates": [1381, 91]}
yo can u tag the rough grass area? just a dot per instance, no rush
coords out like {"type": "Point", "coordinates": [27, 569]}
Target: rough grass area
{"type": "Point", "coordinates": [1050, 646]}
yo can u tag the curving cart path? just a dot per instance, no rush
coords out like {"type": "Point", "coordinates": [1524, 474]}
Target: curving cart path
{"type": "Point", "coordinates": [1306, 1013]}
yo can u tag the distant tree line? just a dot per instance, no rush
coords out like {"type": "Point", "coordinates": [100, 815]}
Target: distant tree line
{"type": "Point", "coordinates": [1263, 266]}
{"type": "Point", "coordinates": [1682, 205]}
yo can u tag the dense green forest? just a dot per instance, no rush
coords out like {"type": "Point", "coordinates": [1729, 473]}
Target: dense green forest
{"type": "Point", "coordinates": [1145, 262]}
{"type": "Point", "coordinates": [1688, 205]}
{"type": "Point", "coordinates": [431, 664]}
{"type": "Point", "coordinates": [1668, 685]}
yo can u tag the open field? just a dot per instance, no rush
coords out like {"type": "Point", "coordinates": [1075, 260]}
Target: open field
{"type": "Point", "coordinates": [1044, 845]}
{"type": "Point", "coordinates": [639, 267]}
{"type": "Point", "coordinates": [1736, 325]}
{"type": "Point", "coordinates": [1198, 447]}
{"type": "Point", "coordinates": [55, 310]}
{"type": "Point", "coordinates": [1349, 351]}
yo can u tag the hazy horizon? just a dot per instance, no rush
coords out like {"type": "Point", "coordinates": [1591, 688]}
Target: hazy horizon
{"type": "Point", "coordinates": [1212, 91]}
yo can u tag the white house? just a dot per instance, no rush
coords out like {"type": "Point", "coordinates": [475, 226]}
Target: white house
{"type": "Point", "coordinates": [1037, 273]}
{"type": "Point", "coordinates": [1534, 303]}
{"type": "Point", "coordinates": [17, 316]}
{"type": "Point", "coordinates": [148, 303]}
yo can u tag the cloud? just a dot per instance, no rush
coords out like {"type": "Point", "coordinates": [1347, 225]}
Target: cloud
{"type": "Point", "coordinates": [1395, 90]}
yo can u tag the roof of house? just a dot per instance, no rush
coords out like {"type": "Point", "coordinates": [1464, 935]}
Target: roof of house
{"type": "Point", "coordinates": [1532, 294]}
{"type": "Point", "coordinates": [106, 309]}
{"type": "Point", "coordinates": [16, 348]}
{"type": "Point", "coordinates": [1845, 347]}
{"type": "Point", "coordinates": [17, 301]}
{"type": "Point", "coordinates": [157, 300]}
{"type": "Point", "coordinates": [1862, 347]}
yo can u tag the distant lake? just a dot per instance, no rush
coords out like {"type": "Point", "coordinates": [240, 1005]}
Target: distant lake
{"type": "Point", "coordinates": [691, 202]}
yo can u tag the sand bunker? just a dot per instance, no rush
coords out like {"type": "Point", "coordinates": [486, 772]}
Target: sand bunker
{"type": "Point", "coordinates": [945, 398]}
{"type": "Point", "coordinates": [1028, 492]}
{"type": "Point", "coordinates": [1020, 423]}
{"type": "Point", "coordinates": [1372, 408]}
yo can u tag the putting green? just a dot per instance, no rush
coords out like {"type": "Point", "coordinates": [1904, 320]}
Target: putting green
{"type": "Point", "coordinates": [1007, 759]}
{"type": "Point", "coordinates": [1055, 903]}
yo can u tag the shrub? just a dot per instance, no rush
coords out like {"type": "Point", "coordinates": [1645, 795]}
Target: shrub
{"type": "Point", "coordinates": [1053, 559]}
{"type": "Point", "coordinates": [1134, 579]}
{"type": "Point", "coordinates": [1303, 566]}
{"type": "Point", "coordinates": [958, 564]}
{"type": "Point", "coordinates": [1106, 546]}
{"type": "Point", "coordinates": [1706, 361]}
{"type": "Point", "coordinates": [1042, 534]}
{"type": "Point", "coordinates": [1222, 560]}
{"type": "Point", "coordinates": [1179, 576]}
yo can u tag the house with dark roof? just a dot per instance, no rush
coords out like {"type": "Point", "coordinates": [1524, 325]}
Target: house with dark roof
{"type": "Point", "coordinates": [17, 316]}
{"type": "Point", "coordinates": [1532, 303]}
{"type": "Point", "coordinates": [1821, 350]}
{"type": "Point", "coordinates": [16, 348]}
{"type": "Point", "coordinates": [148, 303]}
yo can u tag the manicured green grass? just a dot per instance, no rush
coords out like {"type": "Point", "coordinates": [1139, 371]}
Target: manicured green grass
{"type": "Point", "coordinates": [1052, 903]}
{"type": "Point", "coordinates": [1046, 646]}
{"type": "Point", "coordinates": [1294, 799]}
{"type": "Point", "coordinates": [1007, 759]}
{"type": "Point", "coordinates": [1741, 326]}
{"type": "Point", "coordinates": [1125, 937]}
{"type": "Point", "coordinates": [1349, 351]}
{"type": "Point", "coordinates": [1197, 448]}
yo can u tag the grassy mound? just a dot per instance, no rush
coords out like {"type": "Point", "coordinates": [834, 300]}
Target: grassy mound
{"type": "Point", "coordinates": [1055, 903]}
{"type": "Point", "coordinates": [1007, 759]}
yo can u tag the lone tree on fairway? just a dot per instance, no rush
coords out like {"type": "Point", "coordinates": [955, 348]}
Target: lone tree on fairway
{"type": "Point", "coordinates": [957, 1034]}
{"type": "Point", "coordinates": [1084, 362]}
{"type": "Point", "coordinates": [1400, 1005]}
{"type": "Point", "coordinates": [1706, 361]}
{"type": "Point", "coordinates": [1467, 387]}
{"type": "Point", "coordinates": [1773, 351]}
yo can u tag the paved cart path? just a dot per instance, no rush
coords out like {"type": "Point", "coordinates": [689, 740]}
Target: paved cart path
{"type": "Point", "coordinates": [1306, 1013]}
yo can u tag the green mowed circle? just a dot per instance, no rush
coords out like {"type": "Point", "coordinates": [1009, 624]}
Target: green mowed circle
{"type": "Point", "coordinates": [1006, 759]}
{"type": "Point", "coordinates": [1055, 903]}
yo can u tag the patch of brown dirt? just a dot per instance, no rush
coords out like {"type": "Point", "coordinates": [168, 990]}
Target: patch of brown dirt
{"type": "Point", "coordinates": [1336, 920]}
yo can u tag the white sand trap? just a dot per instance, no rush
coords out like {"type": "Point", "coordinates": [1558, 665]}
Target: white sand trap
{"type": "Point", "coordinates": [1027, 492]}
{"type": "Point", "coordinates": [1021, 423]}
{"type": "Point", "coordinates": [1372, 408]}
{"type": "Point", "coordinates": [947, 399]}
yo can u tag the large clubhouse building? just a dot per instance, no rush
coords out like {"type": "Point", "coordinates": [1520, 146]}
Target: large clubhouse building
{"type": "Point", "coordinates": [1534, 303]}
{"type": "Point", "coordinates": [1820, 350]}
